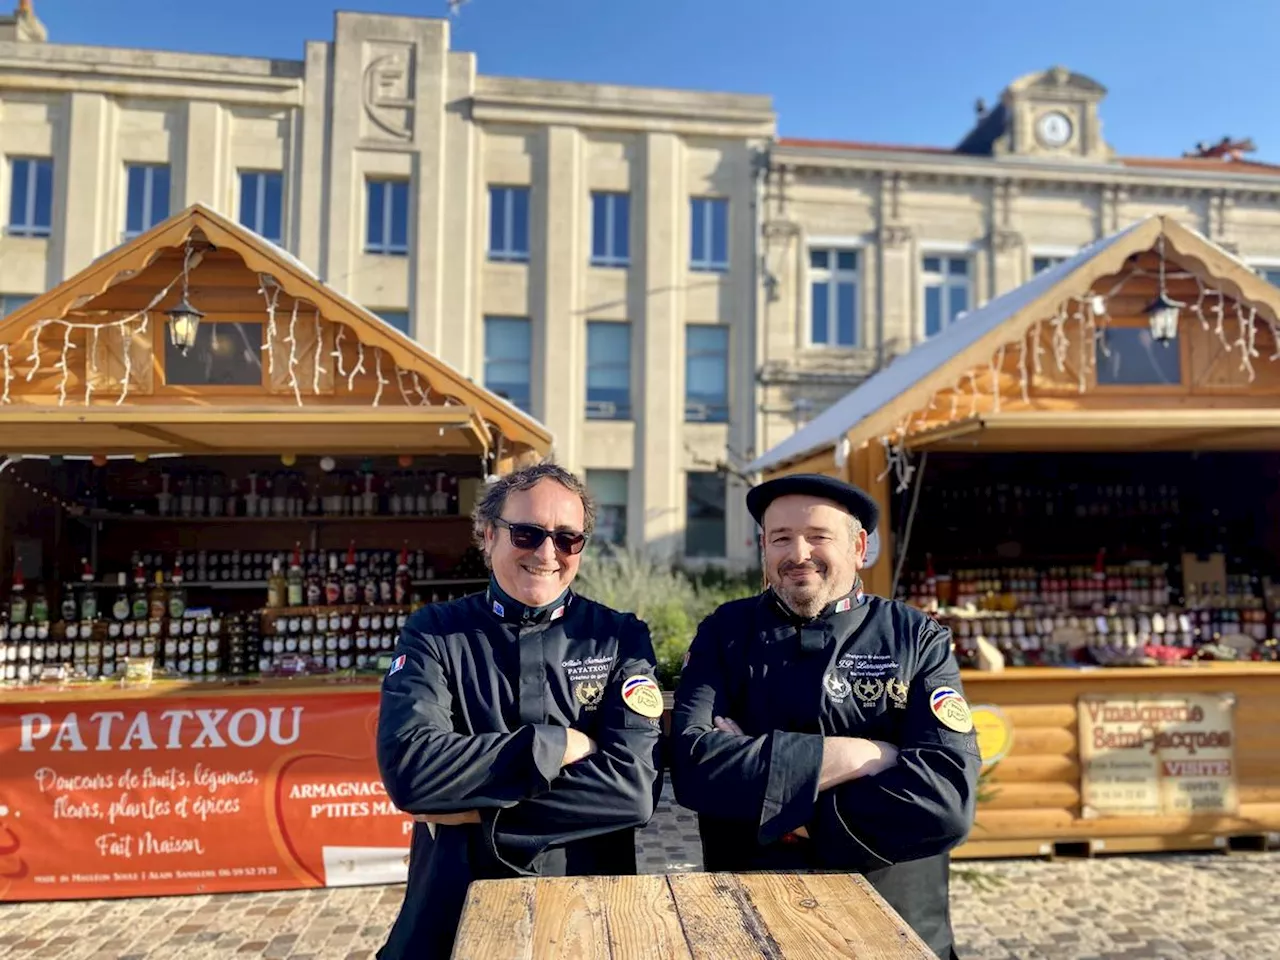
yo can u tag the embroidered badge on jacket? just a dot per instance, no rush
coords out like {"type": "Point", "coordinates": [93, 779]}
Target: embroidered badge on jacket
{"type": "Point", "coordinates": [869, 690]}
{"type": "Point", "coordinates": [643, 695]}
{"type": "Point", "coordinates": [837, 687]}
{"type": "Point", "coordinates": [897, 689]}
{"type": "Point", "coordinates": [588, 692]}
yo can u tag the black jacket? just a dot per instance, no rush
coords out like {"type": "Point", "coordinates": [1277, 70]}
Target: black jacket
{"type": "Point", "coordinates": [473, 716]}
{"type": "Point", "coordinates": [864, 669]}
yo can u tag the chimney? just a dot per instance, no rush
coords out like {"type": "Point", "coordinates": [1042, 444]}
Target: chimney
{"type": "Point", "coordinates": [23, 26]}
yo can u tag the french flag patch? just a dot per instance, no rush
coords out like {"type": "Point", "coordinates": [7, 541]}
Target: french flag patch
{"type": "Point", "coordinates": [396, 665]}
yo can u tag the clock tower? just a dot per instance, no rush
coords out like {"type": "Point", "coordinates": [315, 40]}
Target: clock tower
{"type": "Point", "coordinates": [1051, 115]}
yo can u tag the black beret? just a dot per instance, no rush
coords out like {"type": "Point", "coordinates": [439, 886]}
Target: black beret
{"type": "Point", "coordinates": [857, 502]}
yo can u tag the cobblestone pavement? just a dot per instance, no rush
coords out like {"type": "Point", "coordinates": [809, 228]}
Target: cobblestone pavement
{"type": "Point", "coordinates": [1206, 907]}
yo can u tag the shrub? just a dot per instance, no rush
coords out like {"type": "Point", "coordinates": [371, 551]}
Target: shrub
{"type": "Point", "coordinates": [671, 601]}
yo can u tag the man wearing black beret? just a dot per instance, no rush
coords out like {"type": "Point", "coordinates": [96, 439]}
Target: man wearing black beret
{"type": "Point", "coordinates": [819, 728]}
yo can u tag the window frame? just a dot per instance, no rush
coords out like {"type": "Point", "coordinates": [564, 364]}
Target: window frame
{"type": "Point", "coordinates": [161, 377]}
{"type": "Point", "coordinates": [485, 361]}
{"type": "Point", "coordinates": [386, 247]}
{"type": "Point", "coordinates": [618, 415]}
{"type": "Point", "coordinates": [728, 373]}
{"type": "Point", "coordinates": [611, 257]}
{"type": "Point", "coordinates": [382, 312]}
{"type": "Point", "coordinates": [508, 253]}
{"type": "Point", "coordinates": [946, 255]}
{"type": "Point", "coordinates": [724, 520]}
{"type": "Point", "coordinates": [625, 505]}
{"type": "Point", "coordinates": [148, 197]}
{"type": "Point", "coordinates": [698, 264]}
{"type": "Point", "coordinates": [30, 228]}
{"type": "Point", "coordinates": [7, 305]}
{"type": "Point", "coordinates": [260, 202]}
{"type": "Point", "coordinates": [833, 280]}
{"type": "Point", "coordinates": [1183, 387]}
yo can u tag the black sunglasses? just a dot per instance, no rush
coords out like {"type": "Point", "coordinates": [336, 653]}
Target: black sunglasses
{"type": "Point", "coordinates": [529, 536]}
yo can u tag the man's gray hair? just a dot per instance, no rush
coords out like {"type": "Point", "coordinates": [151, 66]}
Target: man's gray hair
{"type": "Point", "coordinates": [494, 499]}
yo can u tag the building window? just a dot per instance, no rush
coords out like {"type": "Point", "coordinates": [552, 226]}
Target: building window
{"type": "Point", "coordinates": [1270, 274]}
{"type": "Point", "coordinates": [1129, 356]}
{"type": "Point", "coordinates": [225, 354]}
{"type": "Point", "coordinates": [709, 234]}
{"type": "Point", "coordinates": [262, 203]}
{"type": "Point", "coordinates": [1040, 264]}
{"type": "Point", "coordinates": [609, 488]}
{"type": "Point", "coordinates": [833, 298]}
{"type": "Point", "coordinates": [608, 370]}
{"type": "Point", "coordinates": [10, 302]}
{"type": "Point", "coordinates": [508, 359]}
{"type": "Point", "coordinates": [30, 197]}
{"type": "Point", "coordinates": [388, 232]}
{"type": "Point", "coordinates": [704, 528]}
{"type": "Point", "coordinates": [396, 318]}
{"type": "Point", "coordinates": [509, 224]}
{"type": "Point", "coordinates": [946, 291]}
{"type": "Point", "coordinates": [610, 229]}
{"type": "Point", "coordinates": [706, 373]}
{"type": "Point", "coordinates": [148, 197]}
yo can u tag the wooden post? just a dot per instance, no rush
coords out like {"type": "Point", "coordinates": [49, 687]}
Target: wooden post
{"type": "Point", "coordinates": [864, 470]}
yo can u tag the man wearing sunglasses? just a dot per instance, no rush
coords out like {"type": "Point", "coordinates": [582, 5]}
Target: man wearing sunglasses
{"type": "Point", "coordinates": [819, 728]}
{"type": "Point", "coordinates": [520, 726]}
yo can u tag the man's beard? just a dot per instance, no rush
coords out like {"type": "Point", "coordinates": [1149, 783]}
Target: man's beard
{"type": "Point", "coordinates": [808, 600]}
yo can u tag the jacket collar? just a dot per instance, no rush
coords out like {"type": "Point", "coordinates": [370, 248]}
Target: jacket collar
{"type": "Point", "coordinates": [509, 610]}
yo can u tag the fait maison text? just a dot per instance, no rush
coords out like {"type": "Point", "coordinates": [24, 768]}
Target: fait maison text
{"type": "Point", "coordinates": [161, 730]}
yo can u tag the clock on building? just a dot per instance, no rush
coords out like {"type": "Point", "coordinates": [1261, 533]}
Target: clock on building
{"type": "Point", "coordinates": [1053, 129]}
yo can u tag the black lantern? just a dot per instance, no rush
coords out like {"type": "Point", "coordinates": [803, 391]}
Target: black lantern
{"type": "Point", "coordinates": [184, 324]}
{"type": "Point", "coordinates": [1162, 315]}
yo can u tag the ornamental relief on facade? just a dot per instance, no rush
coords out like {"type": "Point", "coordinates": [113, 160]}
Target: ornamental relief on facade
{"type": "Point", "coordinates": [388, 91]}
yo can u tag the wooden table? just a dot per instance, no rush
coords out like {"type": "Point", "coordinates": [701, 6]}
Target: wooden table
{"type": "Point", "coordinates": [683, 916]}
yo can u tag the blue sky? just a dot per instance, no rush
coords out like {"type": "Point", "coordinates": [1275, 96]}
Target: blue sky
{"type": "Point", "coordinates": [896, 71]}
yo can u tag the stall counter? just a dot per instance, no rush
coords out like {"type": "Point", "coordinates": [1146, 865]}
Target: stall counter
{"type": "Point", "coordinates": [194, 787]}
{"type": "Point", "coordinates": [1207, 771]}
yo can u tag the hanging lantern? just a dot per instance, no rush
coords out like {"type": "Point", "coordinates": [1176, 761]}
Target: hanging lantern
{"type": "Point", "coordinates": [327, 464]}
{"type": "Point", "coordinates": [99, 459]}
{"type": "Point", "coordinates": [288, 459]}
{"type": "Point", "coordinates": [184, 324]}
{"type": "Point", "coordinates": [141, 457]}
{"type": "Point", "coordinates": [405, 460]}
{"type": "Point", "coordinates": [1162, 315]}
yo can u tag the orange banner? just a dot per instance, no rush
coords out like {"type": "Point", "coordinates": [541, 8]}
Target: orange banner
{"type": "Point", "coordinates": [124, 798]}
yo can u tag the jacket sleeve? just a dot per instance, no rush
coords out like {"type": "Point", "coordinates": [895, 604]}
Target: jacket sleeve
{"type": "Point", "coordinates": [770, 781]}
{"type": "Point", "coordinates": [426, 766]}
{"type": "Point", "coordinates": [615, 788]}
{"type": "Point", "coordinates": [923, 805]}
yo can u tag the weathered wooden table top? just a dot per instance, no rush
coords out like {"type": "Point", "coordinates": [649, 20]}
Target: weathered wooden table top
{"type": "Point", "coordinates": [683, 916]}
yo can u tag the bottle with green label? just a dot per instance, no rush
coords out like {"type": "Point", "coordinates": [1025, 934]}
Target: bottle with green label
{"type": "Point", "coordinates": [139, 607]}
{"type": "Point", "coordinates": [177, 596]}
{"type": "Point", "coordinates": [121, 608]}
{"type": "Point", "coordinates": [18, 596]}
{"type": "Point", "coordinates": [39, 607]}
{"type": "Point", "coordinates": [88, 594]}
{"type": "Point", "coordinates": [70, 607]}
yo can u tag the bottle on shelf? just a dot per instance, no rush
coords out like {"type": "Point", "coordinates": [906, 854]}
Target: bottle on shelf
{"type": "Point", "coordinates": [177, 595]}
{"type": "Point", "coordinates": [164, 499]}
{"type": "Point", "coordinates": [18, 596]}
{"type": "Point", "coordinates": [70, 606]}
{"type": "Point", "coordinates": [403, 582]}
{"type": "Point", "coordinates": [295, 587]}
{"type": "Point", "coordinates": [158, 599]}
{"type": "Point", "coordinates": [39, 606]}
{"type": "Point", "coordinates": [332, 583]}
{"type": "Point", "coordinates": [277, 586]}
{"type": "Point", "coordinates": [121, 608]}
{"type": "Point", "coordinates": [139, 606]}
{"type": "Point", "coordinates": [315, 587]}
{"type": "Point", "coordinates": [350, 585]}
{"type": "Point", "coordinates": [88, 593]}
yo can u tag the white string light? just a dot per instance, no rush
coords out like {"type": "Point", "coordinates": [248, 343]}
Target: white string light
{"type": "Point", "coordinates": [8, 373]}
{"type": "Point", "coordinates": [271, 299]}
{"type": "Point", "coordinates": [382, 381]}
{"type": "Point", "coordinates": [1024, 383]}
{"type": "Point", "coordinates": [92, 365]}
{"type": "Point", "coordinates": [359, 367]}
{"type": "Point", "coordinates": [315, 364]}
{"type": "Point", "coordinates": [997, 367]}
{"type": "Point", "coordinates": [292, 341]}
{"type": "Point", "coordinates": [404, 395]}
